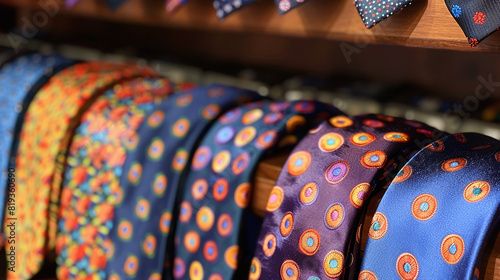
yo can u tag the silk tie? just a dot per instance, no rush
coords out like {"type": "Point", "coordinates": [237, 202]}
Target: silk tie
{"type": "Point", "coordinates": [375, 11]}
{"type": "Point", "coordinates": [223, 8]}
{"type": "Point", "coordinates": [20, 79]}
{"type": "Point", "coordinates": [477, 18]}
{"type": "Point", "coordinates": [286, 5]}
{"type": "Point", "coordinates": [91, 186]}
{"type": "Point", "coordinates": [438, 213]}
{"type": "Point", "coordinates": [46, 133]}
{"type": "Point", "coordinates": [216, 233]}
{"type": "Point", "coordinates": [155, 164]}
{"type": "Point", "coordinates": [313, 211]}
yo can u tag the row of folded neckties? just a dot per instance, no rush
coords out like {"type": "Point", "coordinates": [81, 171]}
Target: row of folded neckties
{"type": "Point", "coordinates": [477, 18]}
{"type": "Point", "coordinates": [127, 176]}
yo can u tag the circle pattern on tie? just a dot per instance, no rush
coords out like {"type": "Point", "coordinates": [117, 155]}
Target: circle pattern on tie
{"type": "Point", "coordinates": [359, 194]}
{"type": "Point", "coordinates": [179, 268]}
{"type": "Point", "coordinates": [333, 264]}
{"type": "Point", "coordinates": [240, 163]}
{"type": "Point", "coordinates": [205, 218]}
{"type": "Point", "coordinates": [397, 137]}
{"type": "Point", "coordinates": [269, 244]}
{"type": "Point", "coordinates": [452, 248]}
{"type": "Point", "coordinates": [199, 189]}
{"type": "Point", "coordinates": [336, 172]}
{"type": "Point", "coordinates": [286, 225]}
{"type": "Point", "coordinates": [476, 191]}
{"type": "Point", "coordinates": [367, 275]}
{"type": "Point", "coordinates": [309, 242]}
{"type": "Point", "coordinates": [192, 241]}
{"type": "Point", "coordinates": [340, 121]}
{"type": "Point", "coordinates": [309, 193]}
{"type": "Point", "coordinates": [220, 189]}
{"type": "Point", "coordinates": [242, 195]}
{"type": "Point", "coordinates": [210, 251]}
{"type": "Point", "coordinates": [403, 174]}
{"type": "Point", "coordinates": [407, 266]}
{"type": "Point", "coordinates": [186, 210]}
{"type": "Point", "coordinates": [255, 269]}
{"type": "Point", "coordinates": [436, 146]}
{"type": "Point", "coordinates": [362, 138]}
{"type": "Point", "coordinates": [378, 227]}
{"type": "Point", "coordinates": [245, 136]}
{"type": "Point", "coordinates": [334, 216]}
{"type": "Point", "coordinates": [289, 270]}
{"type": "Point", "coordinates": [424, 207]}
{"type": "Point", "coordinates": [196, 271]}
{"type": "Point", "coordinates": [453, 164]}
{"type": "Point", "coordinates": [224, 225]}
{"type": "Point", "coordinates": [231, 256]}
{"type": "Point", "coordinates": [275, 199]}
{"type": "Point", "coordinates": [298, 163]}
{"type": "Point", "coordinates": [201, 158]}
{"type": "Point", "coordinates": [374, 159]}
{"type": "Point", "coordinates": [330, 142]}
{"type": "Point", "coordinates": [221, 161]}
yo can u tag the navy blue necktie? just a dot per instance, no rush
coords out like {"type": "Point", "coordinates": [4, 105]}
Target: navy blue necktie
{"type": "Point", "coordinates": [156, 162]}
{"type": "Point", "coordinates": [216, 234]}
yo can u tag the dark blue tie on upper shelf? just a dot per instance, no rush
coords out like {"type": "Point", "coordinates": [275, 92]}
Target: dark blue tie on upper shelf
{"type": "Point", "coordinates": [374, 11]}
{"type": "Point", "coordinates": [477, 18]}
{"type": "Point", "coordinates": [437, 215]}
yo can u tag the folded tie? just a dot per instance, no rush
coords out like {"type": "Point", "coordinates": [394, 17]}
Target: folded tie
{"type": "Point", "coordinates": [91, 187]}
{"type": "Point", "coordinates": [20, 79]}
{"type": "Point", "coordinates": [477, 18]}
{"type": "Point", "coordinates": [375, 11]}
{"type": "Point", "coordinates": [46, 133]}
{"type": "Point", "coordinates": [313, 211]}
{"type": "Point", "coordinates": [286, 5]}
{"type": "Point", "coordinates": [156, 161]}
{"type": "Point", "coordinates": [224, 8]}
{"type": "Point", "coordinates": [216, 233]}
{"type": "Point", "coordinates": [438, 213]}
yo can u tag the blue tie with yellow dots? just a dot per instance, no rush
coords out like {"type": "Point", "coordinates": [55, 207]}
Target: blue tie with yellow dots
{"type": "Point", "coordinates": [155, 164]}
{"type": "Point", "coordinates": [313, 211]}
{"type": "Point", "coordinates": [216, 233]}
{"type": "Point", "coordinates": [438, 213]}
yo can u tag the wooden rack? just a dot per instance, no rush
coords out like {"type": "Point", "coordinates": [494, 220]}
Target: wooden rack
{"type": "Point", "coordinates": [426, 23]}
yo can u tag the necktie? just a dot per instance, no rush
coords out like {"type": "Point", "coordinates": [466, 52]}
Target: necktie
{"type": "Point", "coordinates": [314, 209]}
{"type": "Point", "coordinates": [46, 133]}
{"type": "Point", "coordinates": [223, 8]}
{"type": "Point", "coordinates": [477, 18]}
{"type": "Point", "coordinates": [113, 4]}
{"type": "Point", "coordinates": [286, 5]}
{"type": "Point", "coordinates": [438, 213]}
{"type": "Point", "coordinates": [216, 233]}
{"type": "Point", "coordinates": [152, 172]}
{"type": "Point", "coordinates": [91, 186]}
{"type": "Point", "coordinates": [172, 5]}
{"type": "Point", "coordinates": [375, 11]}
{"type": "Point", "coordinates": [20, 79]}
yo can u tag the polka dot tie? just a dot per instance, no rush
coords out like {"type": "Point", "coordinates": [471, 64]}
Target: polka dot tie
{"type": "Point", "coordinates": [313, 211]}
{"type": "Point", "coordinates": [156, 161]}
{"type": "Point", "coordinates": [20, 79]}
{"type": "Point", "coordinates": [438, 213]}
{"type": "Point", "coordinates": [375, 11]}
{"type": "Point", "coordinates": [286, 5]}
{"type": "Point", "coordinates": [224, 8]}
{"type": "Point", "coordinates": [477, 18]}
{"type": "Point", "coordinates": [216, 233]}
{"type": "Point", "coordinates": [91, 187]}
{"type": "Point", "coordinates": [47, 130]}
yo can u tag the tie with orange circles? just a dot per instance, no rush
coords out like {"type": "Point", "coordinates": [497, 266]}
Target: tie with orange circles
{"type": "Point", "coordinates": [216, 232]}
{"type": "Point", "coordinates": [91, 186]}
{"type": "Point", "coordinates": [438, 214]}
{"type": "Point", "coordinates": [313, 211]}
{"type": "Point", "coordinates": [155, 164]}
{"type": "Point", "coordinates": [47, 130]}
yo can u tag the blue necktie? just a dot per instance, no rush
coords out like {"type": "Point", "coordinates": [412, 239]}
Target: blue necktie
{"type": "Point", "coordinates": [216, 234]}
{"type": "Point", "coordinates": [313, 211]}
{"type": "Point", "coordinates": [20, 80]}
{"type": "Point", "coordinates": [438, 213]}
{"type": "Point", "coordinates": [153, 170]}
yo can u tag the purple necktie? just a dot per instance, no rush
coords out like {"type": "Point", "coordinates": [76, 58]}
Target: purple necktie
{"type": "Point", "coordinates": [310, 228]}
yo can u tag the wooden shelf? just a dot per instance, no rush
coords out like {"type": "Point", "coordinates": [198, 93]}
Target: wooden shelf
{"type": "Point", "coordinates": [265, 178]}
{"type": "Point", "coordinates": [426, 23]}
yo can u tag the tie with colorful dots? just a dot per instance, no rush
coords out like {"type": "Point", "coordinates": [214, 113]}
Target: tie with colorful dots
{"type": "Point", "coordinates": [438, 213]}
{"type": "Point", "coordinates": [313, 211]}
{"type": "Point", "coordinates": [155, 164]}
{"type": "Point", "coordinates": [216, 233]}
{"type": "Point", "coordinates": [477, 18]}
{"type": "Point", "coordinates": [286, 5]}
{"type": "Point", "coordinates": [46, 133]}
{"type": "Point", "coordinates": [20, 79]}
{"type": "Point", "coordinates": [224, 8]}
{"type": "Point", "coordinates": [91, 186]}
{"type": "Point", "coordinates": [375, 11]}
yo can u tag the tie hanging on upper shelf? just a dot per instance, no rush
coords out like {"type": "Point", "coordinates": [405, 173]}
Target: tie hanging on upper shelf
{"type": "Point", "coordinates": [477, 18]}
{"type": "Point", "coordinates": [113, 4]}
{"type": "Point", "coordinates": [375, 11]}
